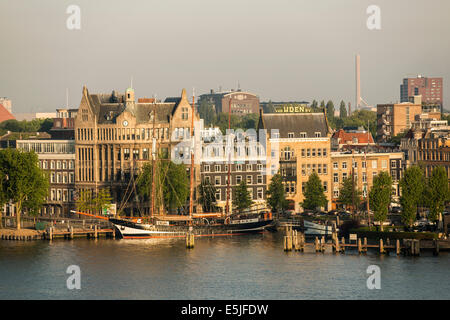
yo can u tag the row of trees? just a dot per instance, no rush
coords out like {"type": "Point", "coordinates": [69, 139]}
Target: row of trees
{"type": "Point", "coordinates": [41, 125]}
{"type": "Point", "coordinates": [416, 192]}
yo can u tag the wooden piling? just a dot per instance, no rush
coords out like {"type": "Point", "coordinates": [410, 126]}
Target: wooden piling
{"type": "Point", "coordinates": [287, 243]}
{"type": "Point", "coordinates": [360, 251]}
{"type": "Point", "coordinates": [343, 245]}
{"type": "Point", "coordinates": [316, 243]}
{"type": "Point", "coordinates": [382, 251]}
{"type": "Point", "coordinates": [436, 247]}
{"type": "Point", "coordinates": [397, 247]}
{"type": "Point", "coordinates": [95, 232]}
{"type": "Point", "coordinates": [365, 245]}
{"type": "Point", "coordinates": [71, 232]}
{"type": "Point", "coordinates": [51, 233]}
{"type": "Point", "coordinates": [322, 244]}
{"type": "Point", "coordinates": [190, 240]}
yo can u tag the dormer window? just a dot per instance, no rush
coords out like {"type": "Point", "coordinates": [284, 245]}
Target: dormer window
{"type": "Point", "coordinates": [290, 135]}
{"type": "Point", "coordinates": [317, 134]}
{"type": "Point", "coordinates": [302, 134]}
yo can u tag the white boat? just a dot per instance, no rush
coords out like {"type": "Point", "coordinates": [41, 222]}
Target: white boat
{"type": "Point", "coordinates": [315, 229]}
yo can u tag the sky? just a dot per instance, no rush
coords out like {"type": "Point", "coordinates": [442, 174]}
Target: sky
{"type": "Point", "coordinates": [282, 50]}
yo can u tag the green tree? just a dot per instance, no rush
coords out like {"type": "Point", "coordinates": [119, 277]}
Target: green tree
{"type": "Point", "coordinates": [380, 196]}
{"type": "Point", "coordinates": [102, 200]}
{"type": "Point", "coordinates": [171, 184]}
{"type": "Point", "coordinates": [322, 105]}
{"type": "Point", "coordinates": [437, 192]}
{"type": "Point", "coordinates": [314, 193]}
{"type": "Point", "coordinates": [26, 185]}
{"type": "Point", "coordinates": [241, 197]}
{"type": "Point", "coordinates": [206, 112]}
{"type": "Point", "coordinates": [314, 105]}
{"type": "Point", "coordinates": [412, 187]}
{"type": "Point", "coordinates": [342, 110]}
{"type": "Point", "coordinates": [349, 195]}
{"type": "Point", "coordinates": [85, 200]}
{"type": "Point", "coordinates": [330, 110]}
{"type": "Point", "coordinates": [207, 196]}
{"type": "Point", "coordinates": [276, 197]}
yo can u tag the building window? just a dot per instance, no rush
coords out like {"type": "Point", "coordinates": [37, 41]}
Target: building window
{"type": "Point", "coordinates": [239, 167]}
{"type": "Point", "coordinates": [325, 186]}
{"type": "Point", "coordinates": [363, 164]}
{"type": "Point", "coordinates": [317, 134]}
{"type": "Point", "coordinates": [217, 180]}
{"type": "Point", "coordinates": [324, 152]}
{"type": "Point", "coordinates": [184, 113]}
{"type": "Point", "coordinates": [303, 153]}
{"type": "Point", "coordinates": [206, 168]}
{"type": "Point", "coordinates": [249, 167]}
{"type": "Point", "coordinates": [217, 168]}
{"type": "Point", "coordinates": [383, 164]}
{"type": "Point", "coordinates": [393, 164]}
{"type": "Point", "coordinates": [344, 165]}
{"type": "Point", "coordinates": [335, 165]}
{"type": "Point", "coordinates": [290, 134]}
{"type": "Point", "coordinates": [335, 177]}
{"type": "Point", "coordinates": [374, 164]}
{"type": "Point", "coordinates": [238, 179]}
{"type": "Point", "coordinates": [302, 134]}
{"type": "Point", "coordinates": [259, 179]}
{"type": "Point", "coordinates": [260, 194]}
{"type": "Point", "coordinates": [325, 169]}
{"type": "Point", "coordinates": [249, 180]}
{"type": "Point", "coordinates": [217, 195]}
{"type": "Point", "coordinates": [308, 152]}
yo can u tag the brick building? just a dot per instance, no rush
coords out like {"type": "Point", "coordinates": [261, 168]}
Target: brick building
{"type": "Point", "coordinates": [297, 145]}
{"type": "Point", "coordinates": [395, 118]}
{"type": "Point", "coordinates": [113, 139]}
{"type": "Point", "coordinates": [241, 102]}
{"type": "Point", "coordinates": [431, 90]}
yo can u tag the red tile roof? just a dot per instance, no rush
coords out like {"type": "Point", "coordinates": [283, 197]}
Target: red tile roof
{"type": "Point", "coordinates": [5, 114]}
{"type": "Point", "coordinates": [353, 137]}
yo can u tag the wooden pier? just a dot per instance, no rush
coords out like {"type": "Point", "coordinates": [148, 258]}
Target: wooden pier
{"type": "Point", "coordinates": [409, 247]}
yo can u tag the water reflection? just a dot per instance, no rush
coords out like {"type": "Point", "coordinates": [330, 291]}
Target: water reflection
{"type": "Point", "coordinates": [244, 267]}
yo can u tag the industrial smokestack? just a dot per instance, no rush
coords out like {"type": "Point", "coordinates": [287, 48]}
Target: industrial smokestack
{"type": "Point", "coordinates": [358, 83]}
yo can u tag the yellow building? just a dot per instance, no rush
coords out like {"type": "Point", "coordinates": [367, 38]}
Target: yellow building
{"type": "Point", "coordinates": [365, 167]}
{"type": "Point", "coordinates": [297, 145]}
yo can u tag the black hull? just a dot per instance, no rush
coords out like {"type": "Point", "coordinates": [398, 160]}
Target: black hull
{"type": "Point", "coordinates": [131, 230]}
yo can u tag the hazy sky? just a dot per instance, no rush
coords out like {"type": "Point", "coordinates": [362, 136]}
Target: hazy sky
{"type": "Point", "coordinates": [280, 50]}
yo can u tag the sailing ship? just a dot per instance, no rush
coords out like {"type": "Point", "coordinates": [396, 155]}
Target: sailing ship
{"type": "Point", "coordinates": [207, 224]}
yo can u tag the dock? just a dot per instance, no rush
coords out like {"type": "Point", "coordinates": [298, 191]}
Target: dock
{"type": "Point", "coordinates": [295, 241]}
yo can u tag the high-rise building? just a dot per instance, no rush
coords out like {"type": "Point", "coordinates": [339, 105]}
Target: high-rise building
{"type": "Point", "coordinates": [431, 90]}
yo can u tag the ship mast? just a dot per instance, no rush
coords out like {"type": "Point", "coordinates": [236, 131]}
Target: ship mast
{"type": "Point", "coordinates": [191, 196]}
{"type": "Point", "coordinates": [229, 159]}
{"type": "Point", "coordinates": [152, 212]}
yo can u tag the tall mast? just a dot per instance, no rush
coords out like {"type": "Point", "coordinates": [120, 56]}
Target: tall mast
{"type": "Point", "coordinates": [367, 178]}
{"type": "Point", "coordinates": [191, 200]}
{"type": "Point", "coordinates": [229, 159]}
{"type": "Point", "coordinates": [153, 159]}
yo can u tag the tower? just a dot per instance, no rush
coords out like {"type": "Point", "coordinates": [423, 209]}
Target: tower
{"type": "Point", "coordinates": [358, 83]}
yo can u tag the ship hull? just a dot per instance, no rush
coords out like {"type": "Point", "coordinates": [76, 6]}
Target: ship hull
{"type": "Point", "coordinates": [130, 230]}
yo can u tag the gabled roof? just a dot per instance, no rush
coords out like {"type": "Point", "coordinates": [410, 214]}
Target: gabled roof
{"type": "Point", "coordinates": [5, 114]}
{"type": "Point", "coordinates": [285, 123]}
{"type": "Point", "coordinates": [353, 137]}
{"type": "Point", "coordinates": [107, 107]}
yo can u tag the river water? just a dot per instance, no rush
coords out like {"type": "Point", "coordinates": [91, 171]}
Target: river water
{"type": "Point", "coordinates": [240, 267]}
